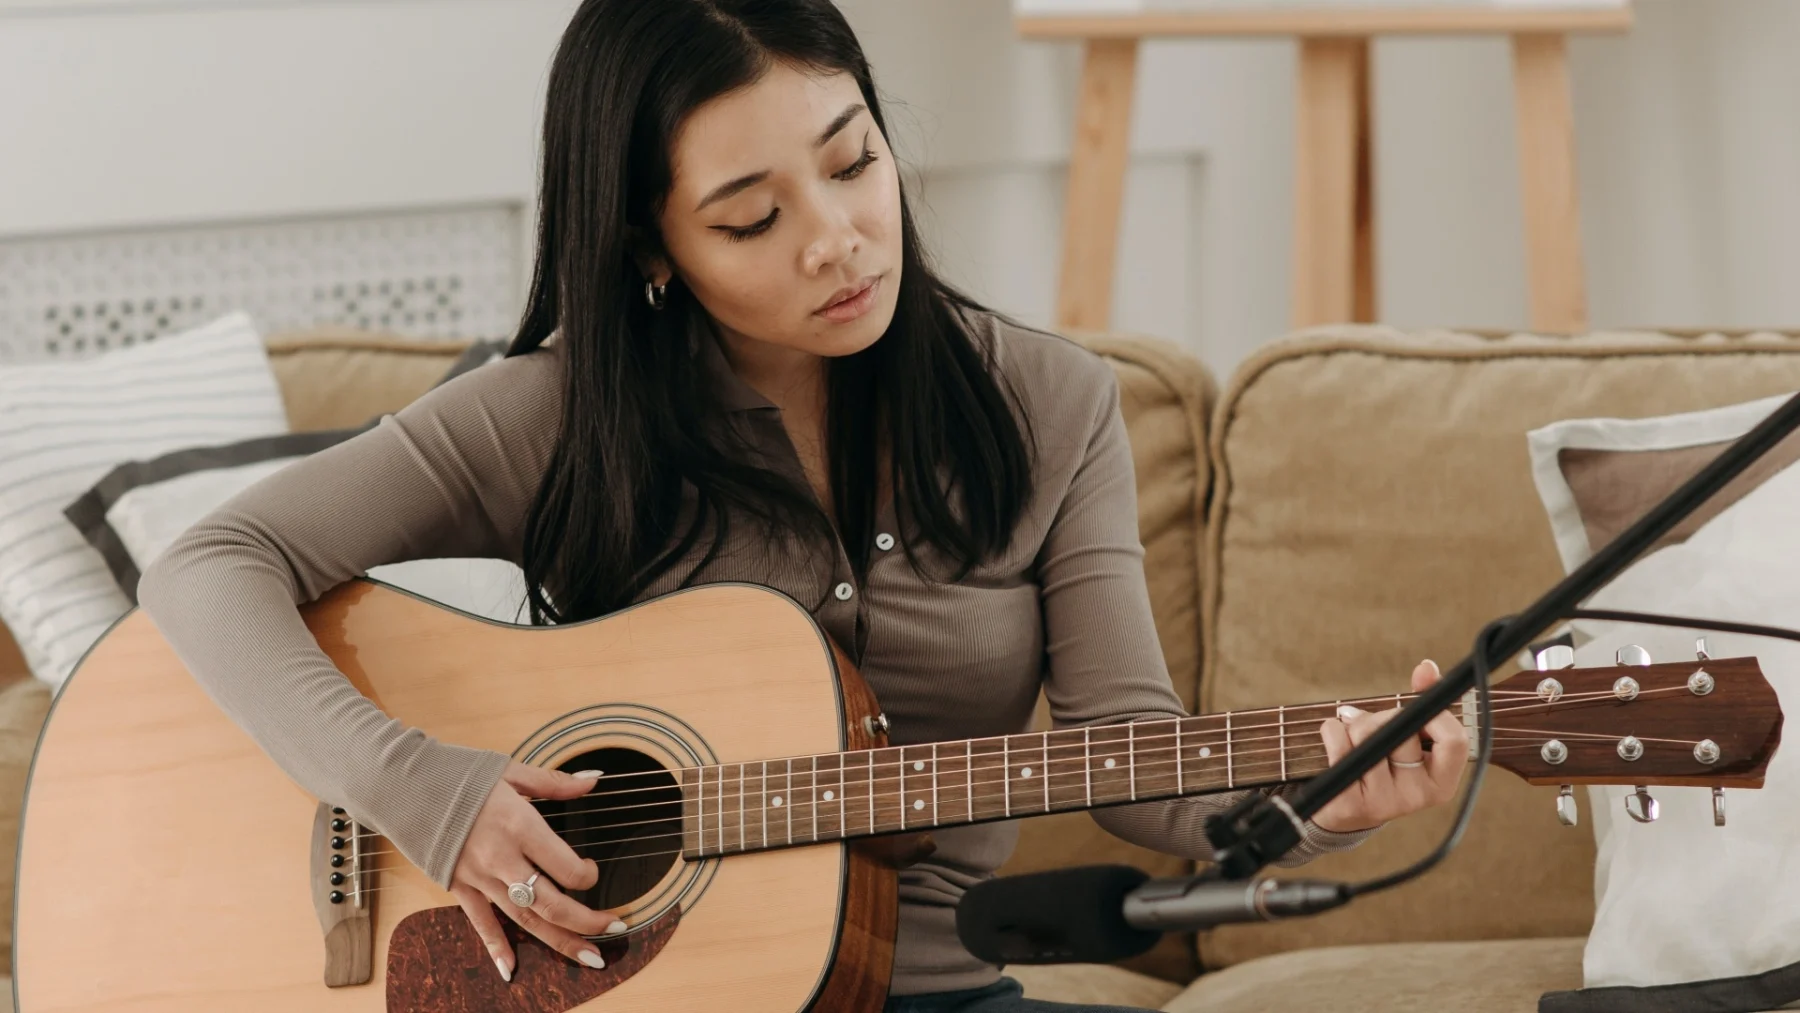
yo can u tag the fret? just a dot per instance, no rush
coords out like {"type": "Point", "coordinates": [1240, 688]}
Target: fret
{"type": "Point", "coordinates": [1157, 758]}
{"type": "Point", "coordinates": [828, 775]}
{"type": "Point", "coordinates": [1006, 775]}
{"type": "Point", "coordinates": [789, 795]}
{"type": "Point", "coordinates": [969, 776]}
{"type": "Point", "coordinates": [903, 806]}
{"type": "Point", "coordinates": [934, 785]}
{"type": "Point", "coordinates": [843, 800]}
{"type": "Point", "coordinates": [871, 793]}
{"type": "Point", "coordinates": [1087, 763]}
{"type": "Point", "coordinates": [810, 793]}
{"type": "Point", "coordinates": [699, 810]}
{"type": "Point", "coordinates": [721, 809]}
{"type": "Point", "coordinates": [1045, 747]}
{"type": "Point", "coordinates": [953, 783]}
{"type": "Point", "coordinates": [763, 804]}
{"type": "Point", "coordinates": [1281, 738]}
{"type": "Point", "coordinates": [1026, 766]}
{"type": "Point", "coordinates": [1180, 782]}
{"type": "Point", "coordinates": [1131, 757]}
{"type": "Point", "coordinates": [742, 841]}
{"type": "Point", "coordinates": [1230, 779]}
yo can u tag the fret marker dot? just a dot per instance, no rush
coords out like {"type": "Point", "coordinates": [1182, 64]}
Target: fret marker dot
{"type": "Point", "coordinates": [1025, 773]}
{"type": "Point", "coordinates": [918, 764]}
{"type": "Point", "coordinates": [1109, 763]}
{"type": "Point", "coordinates": [828, 796]}
{"type": "Point", "coordinates": [1205, 751]}
{"type": "Point", "coordinates": [919, 804]}
{"type": "Point", "coordinates": [776, 801]}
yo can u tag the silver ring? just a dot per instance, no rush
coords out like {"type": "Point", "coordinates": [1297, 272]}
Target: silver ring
{"type": "Point", "coordinates": [522, 894]}
{"type": "Point", "coordinates": [1403, 763]}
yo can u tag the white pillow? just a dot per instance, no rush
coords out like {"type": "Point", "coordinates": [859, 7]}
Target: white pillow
{"type": "Point", "coordinates": [1681, 900]}
{"type": "Point", "coordinates": [64, 424]}
{"type": "Point", "coordinates": [147, 506]}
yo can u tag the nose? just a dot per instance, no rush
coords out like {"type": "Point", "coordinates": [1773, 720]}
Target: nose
{"type": "Point", "coordinates": [834, 239]}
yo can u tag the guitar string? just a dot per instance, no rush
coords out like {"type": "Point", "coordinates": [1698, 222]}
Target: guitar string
{"type": "Point", "coordinates": [1330, 706]}
{"type": "Point", "coordinates": [772, 843]}
{"type": "Point", "coordinates": [1314, 752]}
{"type": "Point", "coordinates": [1138, 741]}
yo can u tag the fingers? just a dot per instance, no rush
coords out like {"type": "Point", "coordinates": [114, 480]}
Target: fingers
{"type": "Point", "coordinates": [539, 782]}
{"type": "Point", "coordinates": [1424, 674]}
{"type": "Point", "coordinates": [553, 856]}
{"type": "Point", "coordinates": [487, 926]}
{"type": "Point", "coordinates": [556, 936]}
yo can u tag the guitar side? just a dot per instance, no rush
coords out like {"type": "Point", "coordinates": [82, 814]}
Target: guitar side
{"type": "Point", "coordinates": [164, 860]}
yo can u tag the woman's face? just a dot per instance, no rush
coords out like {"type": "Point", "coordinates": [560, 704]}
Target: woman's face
{"type": "Point", "coordinates": [783, 216]}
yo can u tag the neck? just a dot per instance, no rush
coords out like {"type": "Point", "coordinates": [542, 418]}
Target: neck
{"type": "Point", "coordinates": [738, 807]}
{"type": "Point", "coordinates": [789, 377]}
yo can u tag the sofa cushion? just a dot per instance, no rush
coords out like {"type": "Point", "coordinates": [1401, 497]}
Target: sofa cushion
{"type": "Point", "coordinates": [1374, 505]}
{"type": "Point", "coordinates": [337, 378]}
{"type": "Point", "coordinates": [1093, 984]}
{"type": "Point", "coordinates": [1165, 396]}
{"type": "Point", "coordinates": [1499, 976]}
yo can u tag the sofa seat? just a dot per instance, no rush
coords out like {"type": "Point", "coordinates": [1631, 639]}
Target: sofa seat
{"type": "Point", "coordinates": [1492, 976]}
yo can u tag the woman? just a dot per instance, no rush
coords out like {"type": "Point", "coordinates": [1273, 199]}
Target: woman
{"type": "Point", "coordinates": [736, 364]}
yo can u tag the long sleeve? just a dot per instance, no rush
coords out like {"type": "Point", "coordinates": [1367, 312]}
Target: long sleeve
{"type": "Point", "coordinates": [1105, 663]}
{"type": "Point", "coordinates": [452, 475]}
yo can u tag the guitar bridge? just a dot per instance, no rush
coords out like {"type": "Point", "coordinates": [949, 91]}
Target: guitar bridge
{"type": "Point", "coordinates": [341, 886]}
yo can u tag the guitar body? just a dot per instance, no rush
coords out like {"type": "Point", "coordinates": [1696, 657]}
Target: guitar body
{"type": "Point", "coordinates": [167, 866]}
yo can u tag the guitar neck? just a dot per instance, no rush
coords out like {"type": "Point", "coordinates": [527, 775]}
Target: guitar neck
{"type": "Point", "coordinates": [738, 807]}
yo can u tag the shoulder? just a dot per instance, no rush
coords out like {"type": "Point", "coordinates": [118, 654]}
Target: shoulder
{"type": "Point", "coordinates": [524, 389]}
{"type": "Point", "coordinates": [1059, 383]}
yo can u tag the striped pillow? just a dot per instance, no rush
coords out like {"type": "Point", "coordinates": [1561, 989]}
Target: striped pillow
{"type": "Point", "coordinates": [65, 424]}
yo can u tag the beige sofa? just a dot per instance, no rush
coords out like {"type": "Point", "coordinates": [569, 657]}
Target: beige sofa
{"type": "Point", "coordinates": [1356, 499]}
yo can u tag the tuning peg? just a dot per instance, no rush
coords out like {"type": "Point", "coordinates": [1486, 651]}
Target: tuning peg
{"type": "Point", "coordinates": [1554, 657]}
{"type": "Point", "coordinates": [1718, 807]}
{"type": "Point", "coordinates": [1632, 654]}
{"type": "Point", "coordinates": [1566, 813]}
{"type": "Point", "coordinates": [1700, 649]}
{"type": "Point", "coordinates": [1646, 809]}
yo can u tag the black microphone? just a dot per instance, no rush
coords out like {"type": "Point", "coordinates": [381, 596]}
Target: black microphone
{"type": "Point", "coordinates": [1061, 917]}
{"type": "Point", "coordinates": [1099, 914]}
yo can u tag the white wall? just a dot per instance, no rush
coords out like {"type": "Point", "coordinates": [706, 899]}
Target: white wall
{"type": "Point", "coordinates": [1689, 146]}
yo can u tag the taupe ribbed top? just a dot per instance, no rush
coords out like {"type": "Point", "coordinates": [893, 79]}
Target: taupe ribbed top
{"type": "Point", "coordinates": [1064, 610]}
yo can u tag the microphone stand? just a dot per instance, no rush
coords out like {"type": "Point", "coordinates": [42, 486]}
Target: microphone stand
{"type": "Point", "coordinates": [1261, 829]}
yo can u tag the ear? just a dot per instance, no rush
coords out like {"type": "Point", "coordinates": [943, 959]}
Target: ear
{"type": "Point", "coordinates": [647, 252]}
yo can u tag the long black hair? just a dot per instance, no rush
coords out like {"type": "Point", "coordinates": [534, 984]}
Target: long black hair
{"type": "Point", "coordinates": [642, 432]}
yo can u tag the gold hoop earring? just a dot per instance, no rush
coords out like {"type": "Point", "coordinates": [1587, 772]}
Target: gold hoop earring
{"type": "Point", "coordinates": [656, 295]}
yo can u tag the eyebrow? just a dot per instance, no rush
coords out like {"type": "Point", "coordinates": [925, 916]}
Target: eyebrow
{"type": "Point", "coordinates": [742, 183]}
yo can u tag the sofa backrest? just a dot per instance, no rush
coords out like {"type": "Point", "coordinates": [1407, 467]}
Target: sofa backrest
{"type": "Point", "coordinates": [1373, 506]}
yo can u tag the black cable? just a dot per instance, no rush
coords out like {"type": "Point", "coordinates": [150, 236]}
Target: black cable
{"type": "Point", "coordinates": [1482, 662]}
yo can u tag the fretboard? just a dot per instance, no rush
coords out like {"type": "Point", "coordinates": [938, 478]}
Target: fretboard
{"type": "Point", "coordinates": [737, 807]}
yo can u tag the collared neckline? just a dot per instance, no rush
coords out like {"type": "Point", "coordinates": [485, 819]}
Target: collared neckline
{"type": "Point", "coordinates": [735, 394]}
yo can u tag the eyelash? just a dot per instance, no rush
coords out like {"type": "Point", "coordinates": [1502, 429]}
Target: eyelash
{"type": "Point", "coordinates": [855, 169]}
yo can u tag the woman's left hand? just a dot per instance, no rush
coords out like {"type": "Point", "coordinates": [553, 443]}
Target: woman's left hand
{"type": "Point", "coordinates": [1411, 780]}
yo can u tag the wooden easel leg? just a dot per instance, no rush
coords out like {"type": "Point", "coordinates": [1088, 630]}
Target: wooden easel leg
{"type": "Point", "coordinates": [1096, 187]}
{"type": "Point", "coordinates": [1333, 250]}
{"type": "Point", "coordinates": [1547, 184]}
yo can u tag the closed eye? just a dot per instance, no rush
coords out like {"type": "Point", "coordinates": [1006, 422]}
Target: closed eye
{"type": "Point", "coordinates": [739, 233]}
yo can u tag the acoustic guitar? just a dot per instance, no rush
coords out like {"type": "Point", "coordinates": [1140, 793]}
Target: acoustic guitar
{"type": "Point", "coordinates": [167, 866]}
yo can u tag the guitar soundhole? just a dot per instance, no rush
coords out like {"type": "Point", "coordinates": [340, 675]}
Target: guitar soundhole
{"type": "Point", "coordinates": [630, 824]}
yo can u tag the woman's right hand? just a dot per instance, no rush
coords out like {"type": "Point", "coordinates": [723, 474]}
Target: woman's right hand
{"type": "Point", "coordinates": [508, 843]}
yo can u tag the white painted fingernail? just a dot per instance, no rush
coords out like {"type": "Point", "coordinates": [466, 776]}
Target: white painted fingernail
{"type": "Point", "coordinates": [1347, 712]}
{"type": "Point", "coordinates": [1435, 670]}
{"type": "Point", "coordinates": [504, 971]}
{"type": "Point", "coordinates": [587, 773]}
{"type": "Point", "coordinates": [617, 928]}
{"type": "Point", "coordinates": [592, 958]}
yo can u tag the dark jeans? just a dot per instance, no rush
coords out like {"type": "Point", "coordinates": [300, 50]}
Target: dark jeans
{"type": "Point", "coordinates": [1003, 996]}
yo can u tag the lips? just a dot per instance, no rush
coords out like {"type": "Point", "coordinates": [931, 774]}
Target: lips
{"type": "Point", "coordinates": [852, 301]}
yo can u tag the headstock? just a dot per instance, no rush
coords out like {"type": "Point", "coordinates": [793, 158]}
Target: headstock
{"type": "Point", "coordinates": [1711, 723]}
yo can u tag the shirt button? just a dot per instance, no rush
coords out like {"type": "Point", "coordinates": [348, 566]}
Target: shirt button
{"type": "Point", "coordinates": [884, 541]}
{"type": "Point", "coordinates": [844, 591]}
